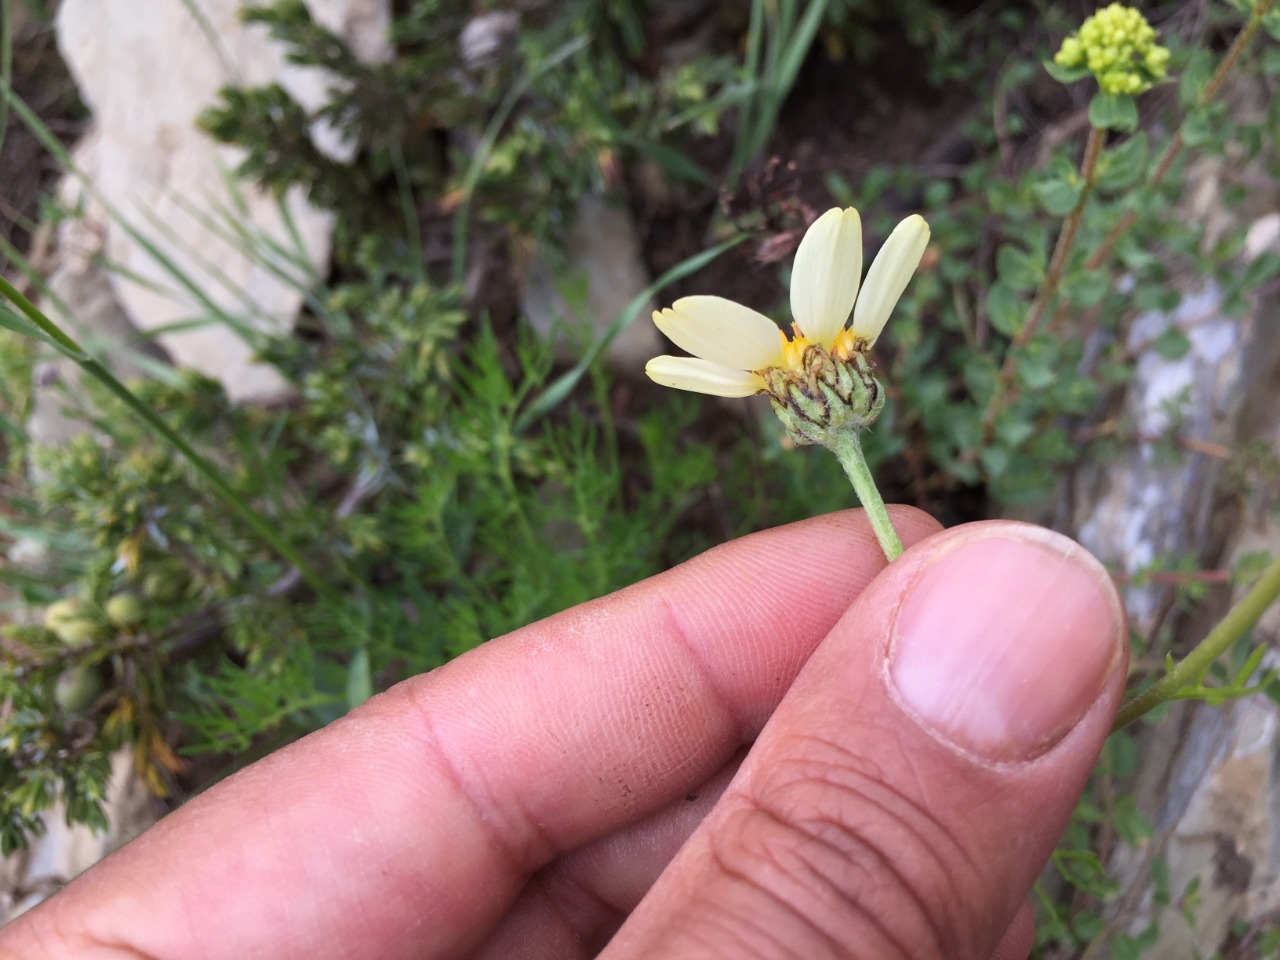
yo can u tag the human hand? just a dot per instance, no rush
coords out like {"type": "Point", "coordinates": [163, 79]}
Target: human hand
{"type": "Point", "coordinates": [906, 779]}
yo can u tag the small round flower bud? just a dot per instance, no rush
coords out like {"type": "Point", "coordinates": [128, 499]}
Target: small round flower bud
{"type": "Point", "coordinates": [79, 631]}
{"type": "Point", "coordinates": [1071, 54]}
{"type": "Point", "coordinates": [1157, 61]}
{"type": "Point", "coordinates": [166, 584]}
{"type": "Point", "coordinates": [77, 688]}
{"type": "Point", "coordinates": [60, 612]}
{"type": "Point", "coordinates": [124, 610]}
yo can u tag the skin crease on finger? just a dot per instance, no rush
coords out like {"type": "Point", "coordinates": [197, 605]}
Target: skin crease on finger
{"type": "Point", "coordinates": [521, 751]}
{"type": "Point", "coordinates": [570, 910]}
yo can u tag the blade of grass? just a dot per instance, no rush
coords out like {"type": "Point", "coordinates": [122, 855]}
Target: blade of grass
{"type": "Point", "coordinates": [408, 210]}
{"type": "Point", "coordinates": [237, 218]}
{"type": "Point", "coordinates": [10, 319]}
{"type": "Point", "coordinates": [19, 262]}
{"type": "Point", "coordinates": [292, 267]}
{"type": "Point", "coordinates": [215, 42]}
{"type": "Point", "coordinates": [487, 141]}
{"type": "Point", "coordinates": [238, 323]}
{"type": "Point", "coordinates": [672, 161]}
{"type": "Point", "coordinates": [95, 345]}
{"type": "Point", "coordinates": [750, 70]}
{"type": "Point", "coordinates": [6, 65]}
{"type": "Point", "coordinates": [787, 46]}
{"type": "Point", "coordinates": [275, 259]}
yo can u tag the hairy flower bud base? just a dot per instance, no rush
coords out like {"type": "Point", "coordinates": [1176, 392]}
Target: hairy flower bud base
{"type": "Point", "coordinates": [828, 395]}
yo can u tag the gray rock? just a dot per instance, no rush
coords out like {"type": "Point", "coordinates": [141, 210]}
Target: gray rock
{"type": "Point", "coordinates": [604, 272]}
{"type": "Point", "coordinates": [146, 68]}
{"type": "Point", "coordinates": [1150, 506]}
{"type": "Point", "coordinates": [1207, 774]}
{"type": "Point", "coordinates": [486, 38]}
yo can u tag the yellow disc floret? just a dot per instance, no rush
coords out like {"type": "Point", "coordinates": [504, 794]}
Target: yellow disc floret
{"type": "Point", "coordinates": [1119, 48]}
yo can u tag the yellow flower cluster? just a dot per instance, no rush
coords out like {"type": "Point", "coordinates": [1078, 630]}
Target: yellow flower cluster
{"type": "Point", "coordinates": [1119, 47]}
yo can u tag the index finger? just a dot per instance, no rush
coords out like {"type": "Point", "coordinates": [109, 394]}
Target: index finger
{"type": "Point", "coordinates": [407, 828]}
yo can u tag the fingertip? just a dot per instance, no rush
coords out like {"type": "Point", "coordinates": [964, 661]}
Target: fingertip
{"type": "Point", "coordinates": [1006, 635]}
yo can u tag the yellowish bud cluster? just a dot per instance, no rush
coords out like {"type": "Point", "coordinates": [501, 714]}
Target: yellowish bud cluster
{"type": "Point", "coordinates": [72, 622]}
{"type": "Point", "coordinates": [1119, 48]}
{"type": "Point", "coordinates": [78, 624]}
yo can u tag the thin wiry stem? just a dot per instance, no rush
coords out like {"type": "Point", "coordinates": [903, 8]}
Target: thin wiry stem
{"type": "Point", "coordinates": [1052, 280]}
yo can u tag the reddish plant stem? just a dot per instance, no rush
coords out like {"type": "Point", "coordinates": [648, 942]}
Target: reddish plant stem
{"type": "Point", "coordinates": [1052, 280]}
{"type": "Point", "coordinates": [1066, 240]}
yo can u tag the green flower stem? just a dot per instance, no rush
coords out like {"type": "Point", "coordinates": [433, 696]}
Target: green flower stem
{"type": "Point", "coordinates": [1191, 668]}
{"type": "Point", "coordinates": [65, 344]}
{"type": "Point", "coordinates": [848, 450]}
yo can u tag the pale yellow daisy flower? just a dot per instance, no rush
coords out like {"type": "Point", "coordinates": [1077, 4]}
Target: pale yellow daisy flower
{"type": "Point", "coordinates": [735, 349]}
{"type": "Point", "coordinates": [818, 380]}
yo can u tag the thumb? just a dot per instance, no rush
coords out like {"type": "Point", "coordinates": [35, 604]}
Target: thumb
{"type": "Point", "coordinates": [913, 782]}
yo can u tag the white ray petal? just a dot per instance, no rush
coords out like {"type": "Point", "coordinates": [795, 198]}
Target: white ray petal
{"type": "Point", "coordinates": [703, 376]}
{"type": "Point", "coordinates": [722, 332]}
{"type": "Point", "coordinates": [888, 277]}
{"type": "Point", "coordinates": [824, 280]}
